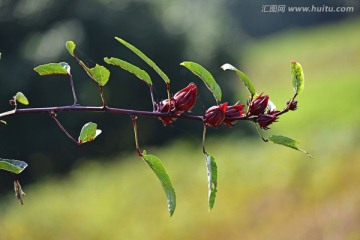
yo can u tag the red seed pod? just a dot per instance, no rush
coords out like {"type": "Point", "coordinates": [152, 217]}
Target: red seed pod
{"type": "Point", "coordinates": [164, 107]}
{"type": "Point", "coordinates": [258, 105]}
{"type": "Point", "coordinates": [185, 99]}
{"type": "Point", "coordinates": [235, 110]}
{"type": "Point", "coordinates": [215, 115]}
{"type": "Point", "coordinates": [264, 120]}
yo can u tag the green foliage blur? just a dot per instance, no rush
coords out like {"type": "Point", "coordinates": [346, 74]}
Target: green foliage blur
{"type": "Point", "coordinates": [265, 191]}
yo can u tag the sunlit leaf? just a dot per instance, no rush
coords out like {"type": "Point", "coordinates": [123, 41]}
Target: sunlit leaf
{"type": "Point", "coordinates": [158, 168]}
{"type": "Point", "coordinates": [297, 77]}
{"type": "Point", "coordinates": [206, 77]}
{"type": "Point", "coordinates": [99, 74]}
{"type": "Point", "coordinates": [3, 122]}
{"type": "Point", "coordinates": [70, 46]}
{"type": "Point", "coordinates": [14, 166]}
{"type": "Point", "coordinates": [141, 74]}
{"type": "Point", "coordinates": [145, 59]}
{"type": "Point", "coordinates": [53, 69]}
{"type": "Point", "coordinates": [212, 179]}
{"type": "Point", "coordinates": [20, 97]}
{"type": "Point", "coordinates": [245, 79]}
{"type": "Point", "coordinates": [88, 132]}
{"type": "Point", "coordinates": [288, 142]}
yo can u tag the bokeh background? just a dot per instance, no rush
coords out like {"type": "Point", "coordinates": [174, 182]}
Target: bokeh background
{"type": "Point", "coordinates": [102, 190]}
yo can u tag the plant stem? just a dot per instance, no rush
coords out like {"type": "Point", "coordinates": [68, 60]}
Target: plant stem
{"type": "Point", "coordinates": [152, 97]}
{"type": "Point", "coordinates": [102, 97]}
{"type": "Point", "coordinates": [73, 89]}
{"type": "Point", "coordinates": [258, 130]}
{"type": "Point", "coordinates": [78, 108]}
{"type": "Point", "coordinates": [53, 116]}
{"type": "Point", "coordinates": [133, 118]}
{"type": "Point", "coordinates": [203, 140]}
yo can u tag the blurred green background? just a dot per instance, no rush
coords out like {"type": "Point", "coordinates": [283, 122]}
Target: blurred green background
{"type": "Point", "coordinates": [102, 190]}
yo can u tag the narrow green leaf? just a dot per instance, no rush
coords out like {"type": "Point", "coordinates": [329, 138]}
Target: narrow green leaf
{"type": "Point", "coordinates": [212, 179]}
{"type": "Point", "coordinates": [141, 74]}
{"type": "Point", "coordinates": [14, 166]}
{"type": "Point", "coordinates": [70, 46]}
{"type": "Point", "coordinates": [3, 122]}
{"type": "Point", "coordinates": [61, 68]}
{"type": "Point", "coordinates": [145, 59]}
{"type": "Point", "coordinates": [158, 168]}
{"type": "Point", "coordinates": [206, 77]}
{"type": "Point", "coordinates": [99, 74]}
{"type": "Point", "coordinates": [287, 142]}
{"type": "Point", "coordinates": [88, 132]}
{"type": "Point", "coordinates": [245, 79]}
{"type": "Point", "coordinates": [20, 97]}
{"type": "Point", "coordinates": [297, 77]}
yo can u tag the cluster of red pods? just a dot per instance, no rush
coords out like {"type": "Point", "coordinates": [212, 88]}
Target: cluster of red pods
{"type": "Point", "coordinates": [185, 99]}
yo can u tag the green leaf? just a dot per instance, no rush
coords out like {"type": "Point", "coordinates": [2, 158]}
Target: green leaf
{"type": "Point", "coordinates": [70, 46]}
{"type": "Point", "coordinates": [3, 122]}
{"type": "Point", "coordinates": [212, 179]}
{"type": "Point", "coordinates": [99, 74]}
{"type": "Point", "coordinates": [14, 166]}
{"type": "Point", "coordinates": [20, 97]}
{"type": "Point", "coordinates": [287, 142]}
{"type": "Point", "coordinates": [206, 77]}
{"type": "Point", "coordinates": [141, 74]}
{"type": "Point", "coordinates": [61, 68]}
{"type": "Point", "coordinates": [145, 59]}
{"type": "Point", "coordinates": [245, 79]}
{"type": "Point", "coordinates": [297, 77]}
{"type": "Point", "coordinates": [158, 168]}
{"type": "Point", "coordinates": [88, 132]}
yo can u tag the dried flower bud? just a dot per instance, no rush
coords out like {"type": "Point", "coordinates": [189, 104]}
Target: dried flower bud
{"type": "Point", "coordinates": [233, 111]}
{"type": "Point", "coordinates": [215, 115]}
{"type": "Point", "coordinates": [19, 194]}
{"type": "Point", "coordinates": [164, 107]}
{"type": "Point", "coordinates": [258, 105]}
{"type": "Point", "coordinates": [264, 120]}
{"type": "Point", "coordinates": [292, 106]}
{"type": "Point", "coordinates": [12, 102]}
{"type": "Point", "coordinates": [185, 99]}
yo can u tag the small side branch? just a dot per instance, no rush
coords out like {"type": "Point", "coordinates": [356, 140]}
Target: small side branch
{"type": "Point", "coordinates": [152, 97]}
{"type": "Point", "coordinates": [133, 118]}
{"type": "Point", "coordinates": [102, 97]}
{"type": "Point", "coordinates": [53, 116]}
{"type": "Point", "coordinates": [73, 90]}
{"type": "Point", "coordinates": [203, 140]}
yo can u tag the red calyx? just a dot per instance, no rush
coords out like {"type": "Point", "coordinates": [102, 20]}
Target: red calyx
{"type": "Point", "coordinates": [164, 107]}
{"type": "Point", "coordinates": [233, 111]}
{"type": "Point", "coordinates": [264, 120]}
{"type": "Point", "coordinates": [185, 99]}
{"type": "Point", "coordinates": [258, 105]}
{"type": "Point", "coordinates": [215, 115]}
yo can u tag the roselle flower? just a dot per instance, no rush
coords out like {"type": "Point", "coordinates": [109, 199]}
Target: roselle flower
{"type": "Point", "coordinates": [258, 105]}
{"type": "Point", "coordinates": [292, 106]}
{"type": "Point", "coordinates": [164, 107]}
{"type": "Point", "coordinates": [264, 120]}
{"type": "Point", "coordinates": [185, 99]}
{"type": "Point", "coordinates": [215, 115]}
{"type": "Point", "coordinates": [233, 111]}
